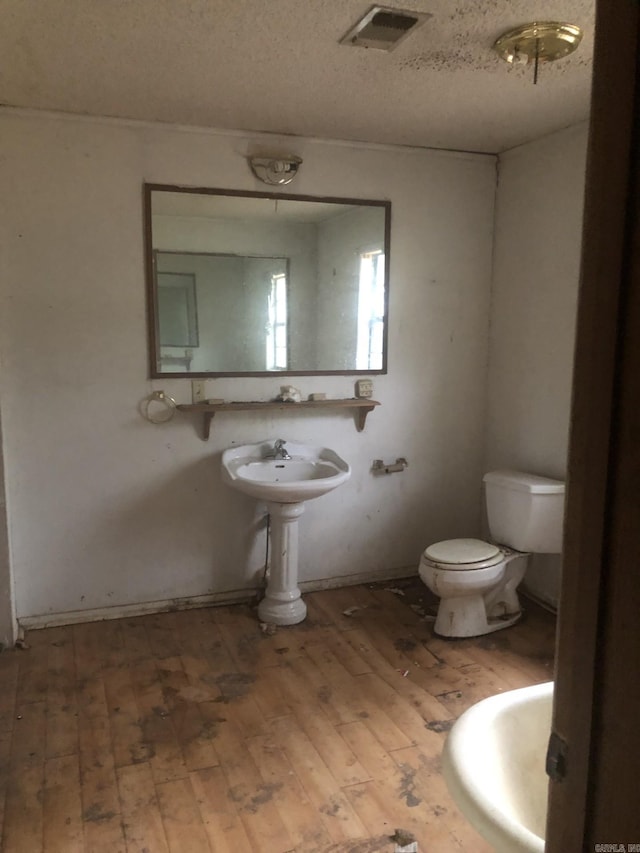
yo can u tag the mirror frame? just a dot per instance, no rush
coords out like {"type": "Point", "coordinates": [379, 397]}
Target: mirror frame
{"type": "Point", "coordinates": [152, 299]}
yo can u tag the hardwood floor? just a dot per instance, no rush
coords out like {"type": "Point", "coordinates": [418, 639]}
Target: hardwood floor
{"type": "Point", "coordinates": [195, 731]}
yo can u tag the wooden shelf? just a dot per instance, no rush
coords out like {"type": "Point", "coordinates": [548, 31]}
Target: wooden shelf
{"type": "Point", "coordinates": [209, 410]}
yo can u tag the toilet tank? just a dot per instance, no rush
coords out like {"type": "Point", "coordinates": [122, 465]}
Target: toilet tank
{"type": "Point", "coordinates": [525, 511]}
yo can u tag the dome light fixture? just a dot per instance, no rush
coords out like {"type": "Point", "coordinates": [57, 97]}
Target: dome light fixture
{"type": "Point", "coordinates": [275, 170]}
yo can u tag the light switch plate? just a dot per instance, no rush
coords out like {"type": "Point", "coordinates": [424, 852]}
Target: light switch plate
{"type": "Point", "coordinates": [364, 388]}
{"type": "Point", "coordinates": [197, 391]}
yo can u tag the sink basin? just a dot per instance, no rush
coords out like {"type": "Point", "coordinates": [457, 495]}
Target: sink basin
{"type": "Point", "coordinates": [494, 765]}
{"type": "Point", "coordinates": [310, 472]}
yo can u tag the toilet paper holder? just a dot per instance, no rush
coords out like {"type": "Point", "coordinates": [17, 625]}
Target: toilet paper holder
{"type": "Point", "coordinates": [380, 467]}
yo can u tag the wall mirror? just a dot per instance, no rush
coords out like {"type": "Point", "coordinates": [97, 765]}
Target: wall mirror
{"type": "Point", "coordinates": [251, 284]}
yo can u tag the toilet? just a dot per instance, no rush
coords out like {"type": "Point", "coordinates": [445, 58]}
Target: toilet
{"type": "Point", "coordinates": [475, 580]}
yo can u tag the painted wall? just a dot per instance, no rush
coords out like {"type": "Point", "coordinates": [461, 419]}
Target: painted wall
{"type": "Point", "coordinates": [108, 509]}
{"type": "Point", "coordinates": [7, 618]}
{"type": "Point", "coordinates": [538, 232]}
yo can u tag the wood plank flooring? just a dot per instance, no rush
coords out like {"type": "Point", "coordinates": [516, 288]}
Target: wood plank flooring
{"type": "Point", "coordinates": [194, 731]}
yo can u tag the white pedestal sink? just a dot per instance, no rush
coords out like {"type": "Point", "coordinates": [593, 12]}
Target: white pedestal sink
{"type": "Point", "coordinates": [285, 481]}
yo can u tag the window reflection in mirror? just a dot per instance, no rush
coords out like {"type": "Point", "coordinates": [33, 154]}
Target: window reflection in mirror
{"type": "Point", "coordinates": [249, 284]}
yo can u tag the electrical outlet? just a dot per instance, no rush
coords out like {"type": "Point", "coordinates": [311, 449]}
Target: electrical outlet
{"type": "Point", "coordinates": [197, 391]}
{"type": "Point", "coordinates": [364, 388]}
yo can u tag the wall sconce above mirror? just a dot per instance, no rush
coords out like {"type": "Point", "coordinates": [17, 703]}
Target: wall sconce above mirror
{"type": "Point", "coordinates": [275, 170]}
{"type": "Point", "coordinates": [253, 284]}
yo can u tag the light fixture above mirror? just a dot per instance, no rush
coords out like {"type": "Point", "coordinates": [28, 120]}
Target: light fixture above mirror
{"type": "Point", "coordinates": [253, 284]}
{"type": "Point", "coordinates": [275, 171]}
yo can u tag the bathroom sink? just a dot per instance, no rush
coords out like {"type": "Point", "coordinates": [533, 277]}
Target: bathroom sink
{"type": "Point", "coordinates": [310, 471]}
{"type": "Point", "coordinates": [285, 475]}
{"type": "Point", "coordinates": [494, 765]}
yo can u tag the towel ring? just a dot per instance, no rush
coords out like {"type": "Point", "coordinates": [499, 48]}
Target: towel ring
{"type": "Point", "coordinates": [163, 415]}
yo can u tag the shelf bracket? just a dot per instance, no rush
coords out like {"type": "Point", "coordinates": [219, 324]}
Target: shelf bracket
{"type": "Point", "coordinates": [206, 425]}
{"type": "Point", "coordinates": [361, 417]}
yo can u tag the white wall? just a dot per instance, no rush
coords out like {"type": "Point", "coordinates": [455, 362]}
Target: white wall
{"type": "Point", "coordinates": [7, 616]}
{"type": "Point", "coordinates": [107, 509]}
{"type": "Point", "coordinates": [538, 225]}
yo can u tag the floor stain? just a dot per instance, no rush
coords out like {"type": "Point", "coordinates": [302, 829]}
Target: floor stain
{"type": "Point", "coordinates": [264, 795]}
{"type": "Point", "coordinates": [246, 647]}
{"type": "Point", "coordinates": [324, 694]}
{"type": "Point", "coordinates": [404, 644]}
{"type": "Point", "coordinates": [449, 694]}
{"type": "Point", "coordinates": [407, 787]}
{"type": "Point", "coordinates": [432, 764]}
{"type": "Point", "coordinates": [493, 643]}
{"type": "Point", "coordinates": [234, 685]}
{"type": "Point", "coordinates": [251, 801]}
{"type": "Point", "coordinates": [142, 751]}
{"type": "Point", "coordinates": [440, 725]}
{"type": "Point", "coordinates": [332, 808]}
{"type": "Point", "coordinates": [211, 728]}
{"type": "Point", "coordinates": [95, 814]}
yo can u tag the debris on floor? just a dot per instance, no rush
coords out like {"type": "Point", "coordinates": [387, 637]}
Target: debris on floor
{"type": "Point", "coordinates": [351, 610]}
{"type": "Point", "coordinates": [394, 589]}
{"type": "Point", "coordinates": [426, 617]}
{"type": "Point", "coordinates": [268, 628]}
{"type": "Point", "coordinates": [21, 643]}
{"type": "Point", "coordinates": [405, 841]}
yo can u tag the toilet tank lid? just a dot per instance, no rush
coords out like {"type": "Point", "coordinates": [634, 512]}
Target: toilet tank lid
{"type": "Point", "coordinates": [521, 482]}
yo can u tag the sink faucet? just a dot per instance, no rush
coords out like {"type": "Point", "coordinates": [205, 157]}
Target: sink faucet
{"type": "Point", "coordinates": [279, 451]}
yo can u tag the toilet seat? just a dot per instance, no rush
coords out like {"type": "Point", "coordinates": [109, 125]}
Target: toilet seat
{"type": "Point", "coordinates": [464, 554]}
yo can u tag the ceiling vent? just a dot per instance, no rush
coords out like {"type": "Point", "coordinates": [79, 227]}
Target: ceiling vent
{"type": "Point", "coordinates": [383, 28]}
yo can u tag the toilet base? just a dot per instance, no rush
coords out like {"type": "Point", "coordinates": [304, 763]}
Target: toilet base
{"type": "Point", "coordinates": [466, 616]}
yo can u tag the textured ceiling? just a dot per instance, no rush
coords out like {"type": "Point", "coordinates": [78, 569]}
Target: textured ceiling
{"type": "Point", "coordinates": [277, 66]}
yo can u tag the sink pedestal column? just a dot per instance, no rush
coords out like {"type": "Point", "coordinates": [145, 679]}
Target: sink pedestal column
{"type": "Point", "coordinates": [282, 604]}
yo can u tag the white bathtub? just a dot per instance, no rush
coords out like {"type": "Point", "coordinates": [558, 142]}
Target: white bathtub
{"type": "Point", "coordinates": [494, 765]}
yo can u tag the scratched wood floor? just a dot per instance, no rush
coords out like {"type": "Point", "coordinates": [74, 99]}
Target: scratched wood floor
{"type": "Point", "coordinates": [194, 731]}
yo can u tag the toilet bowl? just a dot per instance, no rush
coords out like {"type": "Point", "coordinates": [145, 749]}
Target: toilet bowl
{"type": "Point", "coordinates": [476, 580]}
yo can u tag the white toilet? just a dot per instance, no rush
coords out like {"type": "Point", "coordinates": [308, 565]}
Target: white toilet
{"type": "Point", "coordinates": [476, 581]}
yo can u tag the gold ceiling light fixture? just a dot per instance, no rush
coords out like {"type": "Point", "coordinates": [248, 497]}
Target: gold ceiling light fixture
{"type": "Point", "coordinates": [544, 41]}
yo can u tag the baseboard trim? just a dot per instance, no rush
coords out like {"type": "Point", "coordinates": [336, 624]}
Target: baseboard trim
{"type": "Point", "coordinates": [541, 602]}
{"type": "Point", "coordinates": [358, 578]}
{"type": "Point", "coordinates": [216, 599]}
{"type": "Point", "coordinates": [121, 611]}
